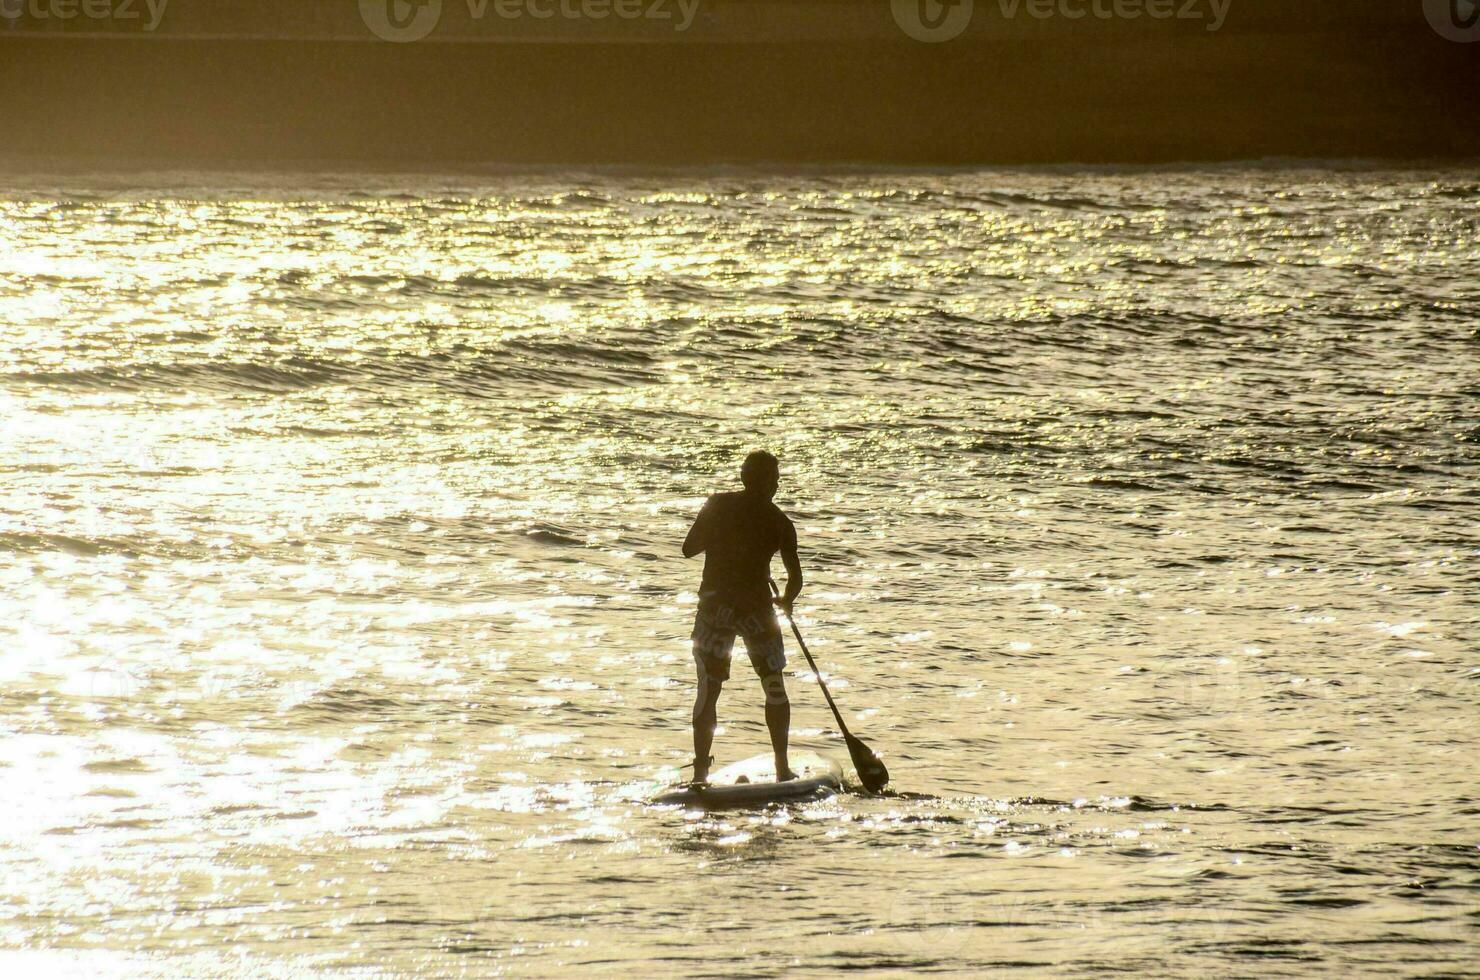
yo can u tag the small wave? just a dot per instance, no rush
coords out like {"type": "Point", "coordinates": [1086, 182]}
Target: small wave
{"type": "Point", "coordinates": [552, 534]}
{"type": "Point", "coordinates": [1118, 483]}
{"type": "Point", "coordinates": [350, 703]}
{"type": "Point", "coordinates": [219, 376]}
{"type": "Point", "coordinates": [40, 542]}
{"type": "Point", "coordinates": [128, 765]}
{"type": "Point", "coordinates": [480, 374]}
{"type": "Point", "coordinates": [35, 543]}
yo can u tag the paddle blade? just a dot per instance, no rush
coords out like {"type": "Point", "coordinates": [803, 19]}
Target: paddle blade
{"type": "Point", "coordinates": [871, 770]}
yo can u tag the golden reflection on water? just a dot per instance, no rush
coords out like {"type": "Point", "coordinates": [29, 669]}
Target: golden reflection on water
{"type": "Point", "coordinates": [345, 630]}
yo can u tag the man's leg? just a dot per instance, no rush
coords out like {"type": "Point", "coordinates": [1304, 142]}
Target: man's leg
{"type": "Point", "coordinates": [778, 721]}
{"type": "Point", "coordinates": [768, 657]}
{"type": "Point", "coordinates": [706, 701]}
{"type": "Point", "coordinates": [713, 642]}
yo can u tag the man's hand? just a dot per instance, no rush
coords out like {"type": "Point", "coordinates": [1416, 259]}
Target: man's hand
{"type": "Point", "coordinates": [793, 579]}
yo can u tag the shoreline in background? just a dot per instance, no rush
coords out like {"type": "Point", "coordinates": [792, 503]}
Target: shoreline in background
{"type": "Point", "coordinates": [24, 169]}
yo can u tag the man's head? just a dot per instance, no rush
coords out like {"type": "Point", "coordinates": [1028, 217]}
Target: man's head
{"type": "Point", "coordinates": [760, 473]}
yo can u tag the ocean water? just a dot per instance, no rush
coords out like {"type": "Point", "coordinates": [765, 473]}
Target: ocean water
{"type": "Point", "coordinates": [343, 625]}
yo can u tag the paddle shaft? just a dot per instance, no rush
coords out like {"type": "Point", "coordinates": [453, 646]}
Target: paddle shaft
{"type": "Point", "coordinates": [813, 664]}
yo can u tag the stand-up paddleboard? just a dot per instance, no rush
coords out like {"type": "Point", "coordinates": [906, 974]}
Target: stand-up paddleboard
{"type": "Point", "coordinates": [753, 783]}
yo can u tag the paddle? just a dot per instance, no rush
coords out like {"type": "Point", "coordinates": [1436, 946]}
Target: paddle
{"type": "Point", "coordinates": [870, 769]}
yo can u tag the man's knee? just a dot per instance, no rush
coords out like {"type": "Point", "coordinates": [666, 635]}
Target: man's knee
{"type": "Point", "coordinates": [775, 687]}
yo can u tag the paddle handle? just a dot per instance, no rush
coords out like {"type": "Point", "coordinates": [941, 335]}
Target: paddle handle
{"type": "Point", "coordinates": [776, 591]}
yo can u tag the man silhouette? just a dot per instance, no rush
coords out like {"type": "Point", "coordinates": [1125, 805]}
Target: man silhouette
{"type": "Point", "coordinates": [738, 533]}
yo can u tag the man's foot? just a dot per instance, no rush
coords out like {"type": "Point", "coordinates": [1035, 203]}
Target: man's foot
{"type": "Point", "coordinates": [784, 774]}
{"type": "Point", "coordinates": [701, 771]}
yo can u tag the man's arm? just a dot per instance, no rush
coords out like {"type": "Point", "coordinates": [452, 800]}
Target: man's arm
{"type": "Point", "coordinates": [793, 569]}
{"type": "Point", "coordinates": [698, 537]}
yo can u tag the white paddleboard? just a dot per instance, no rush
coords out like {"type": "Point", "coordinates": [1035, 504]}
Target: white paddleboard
{"type": "Point", "coordinates": [753, 783]}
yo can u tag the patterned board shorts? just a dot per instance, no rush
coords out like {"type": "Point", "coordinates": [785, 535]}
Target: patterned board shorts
{"type": "Point", "coordinates": [715, 629]}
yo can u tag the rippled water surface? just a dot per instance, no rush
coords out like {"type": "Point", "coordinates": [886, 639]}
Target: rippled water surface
{"type": "Point", "coordinates": [343, 627]}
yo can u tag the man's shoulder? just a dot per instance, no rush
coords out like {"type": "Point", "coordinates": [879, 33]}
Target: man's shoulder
{"type": "Point", "coordinates": [783, 522]}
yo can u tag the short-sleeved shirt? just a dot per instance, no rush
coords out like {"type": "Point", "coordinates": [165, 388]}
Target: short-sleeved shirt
{"type": "Point", "coordinates": [741, 534]}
